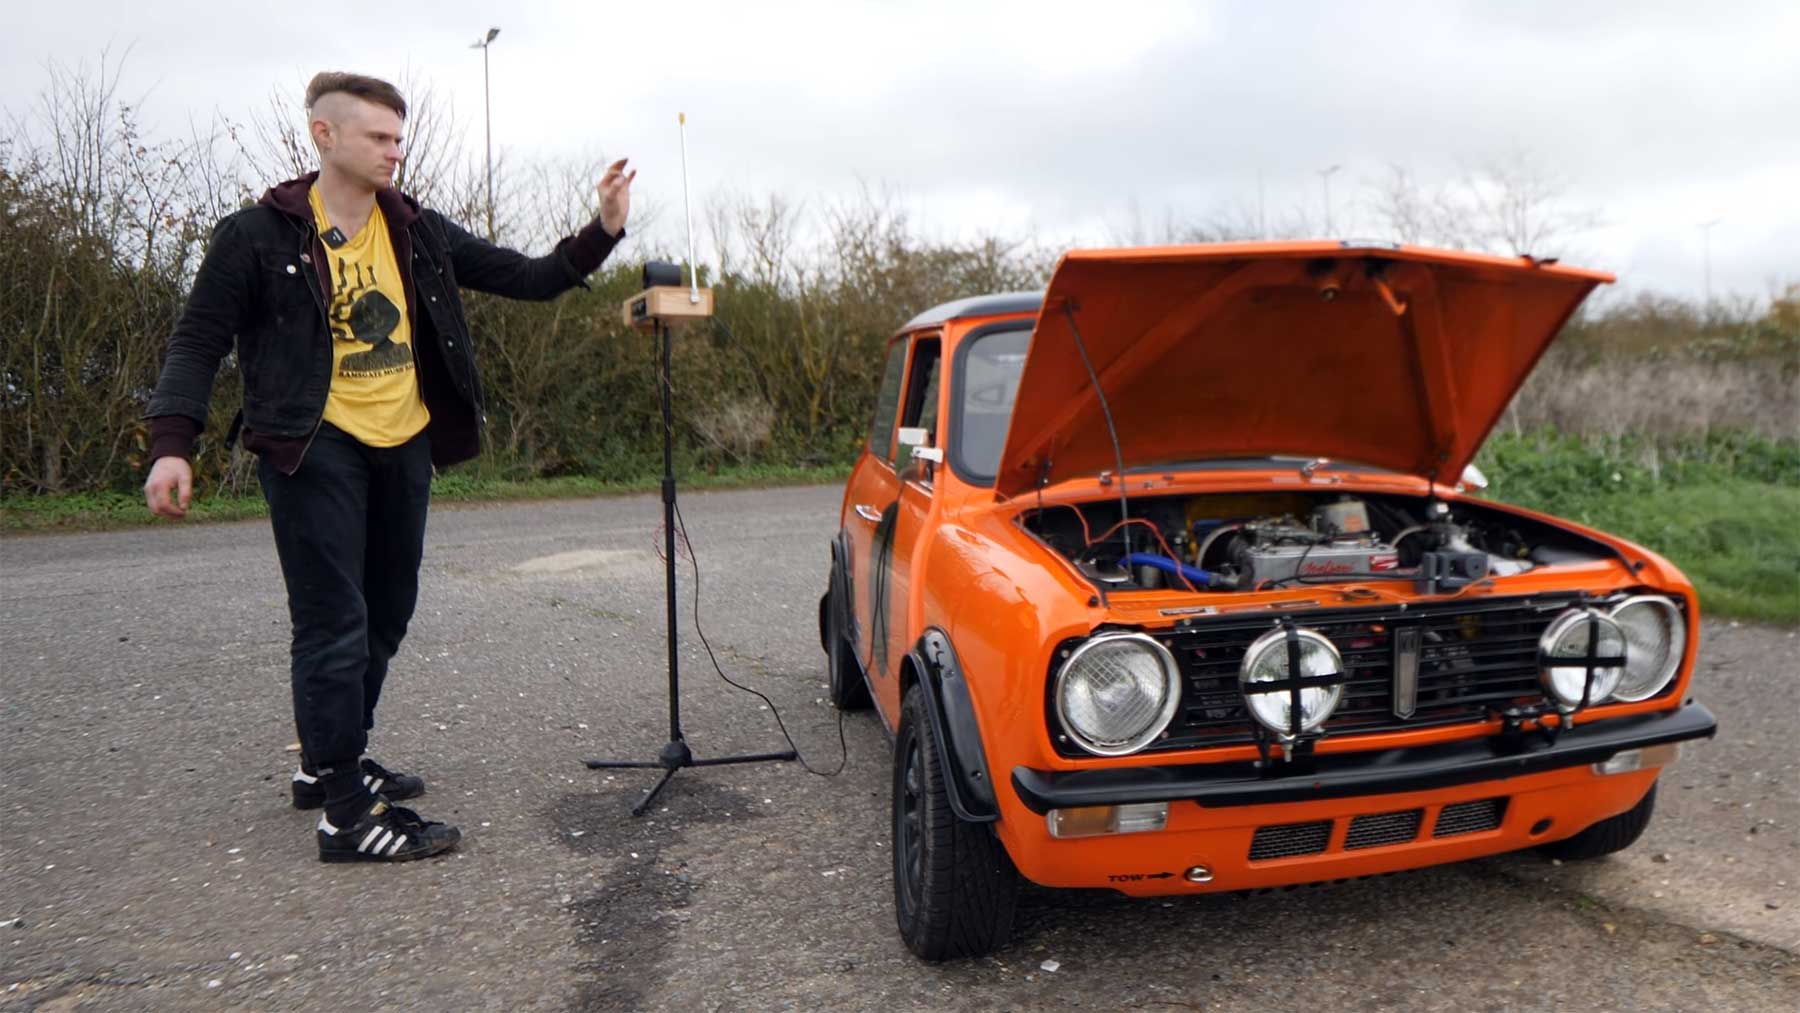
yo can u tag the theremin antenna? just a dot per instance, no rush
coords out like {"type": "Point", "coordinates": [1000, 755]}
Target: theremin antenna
{"type": "Point", "coordinates": [687, 208]}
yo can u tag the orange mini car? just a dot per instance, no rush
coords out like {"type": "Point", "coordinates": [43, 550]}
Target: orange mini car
{"type": "Point", "coordinates": [1168, 580]}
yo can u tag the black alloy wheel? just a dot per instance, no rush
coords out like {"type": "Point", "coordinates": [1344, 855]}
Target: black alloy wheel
{"type": "Point", "coordinates": [849, 691]}
{"type": "Point", "coordinates": [954, 884]}
{"type": "Point", "coordinates": [1615, 833]}
{"type": "Point", "coordinates": [909, 830]}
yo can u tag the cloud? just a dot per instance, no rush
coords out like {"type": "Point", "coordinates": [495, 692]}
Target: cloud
{"type": "Point", "coordinates": [1064, 117]}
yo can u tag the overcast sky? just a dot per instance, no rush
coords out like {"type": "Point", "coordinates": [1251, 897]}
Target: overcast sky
{"type": "Point", "coordinates": [1069, 121]}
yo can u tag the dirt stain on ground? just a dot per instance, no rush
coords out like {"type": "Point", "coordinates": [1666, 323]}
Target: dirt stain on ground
{"type": "Point", "coordinates": [627, 924]}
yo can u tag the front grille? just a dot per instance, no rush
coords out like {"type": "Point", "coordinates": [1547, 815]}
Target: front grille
{"type": "Point", "coordinates": [1289, 839]}
{"type": "Point", "coordinates": [1469, 817]}
{"type": "Point", "coordinates": [1373, 831]}
{"type": "Point", "coordinates": [1473, 656]}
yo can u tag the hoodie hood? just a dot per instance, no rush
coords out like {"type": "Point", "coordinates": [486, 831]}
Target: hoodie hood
{"type": "Point", "coordinates": [293, 198]}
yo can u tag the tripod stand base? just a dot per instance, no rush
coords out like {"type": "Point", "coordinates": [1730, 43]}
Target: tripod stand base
{"type": "Point", "coordinates": [675, 755]}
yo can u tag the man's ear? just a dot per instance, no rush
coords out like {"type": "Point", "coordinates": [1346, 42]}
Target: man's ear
{"type": "Point", "coordinates": [321, 131]}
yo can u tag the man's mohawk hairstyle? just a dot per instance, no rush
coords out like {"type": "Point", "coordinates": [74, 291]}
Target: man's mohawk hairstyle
{"type": "Point", "coordinates": [369, 89]}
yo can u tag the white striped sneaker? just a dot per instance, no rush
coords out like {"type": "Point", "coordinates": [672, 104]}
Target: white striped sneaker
{"type": "Point", "coordinates": [386, 833]}
{"type": "Point", "coordinates": [309, 791]}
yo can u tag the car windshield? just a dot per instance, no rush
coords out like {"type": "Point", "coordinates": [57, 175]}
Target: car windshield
{"type": "Point", "coordinates": [989, 382]}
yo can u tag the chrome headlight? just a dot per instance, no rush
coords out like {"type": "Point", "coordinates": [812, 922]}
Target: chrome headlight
{"type": "Point", "coordinates": [1117, 693]}
{"type": "Point", "coordinates": [1266, 661]}
{"type": "Point", "coordinates": [1655, 638]}
{"type": "Point", "coordinates": [1579, 641]}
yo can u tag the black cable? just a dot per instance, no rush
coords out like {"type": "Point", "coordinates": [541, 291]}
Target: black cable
{"type": "Point", "coordinates": [1106, 413]}
{"type": "Point", "coordinates": [694, 561]}
{"type": "Point", "coordinates": [1299, 564]}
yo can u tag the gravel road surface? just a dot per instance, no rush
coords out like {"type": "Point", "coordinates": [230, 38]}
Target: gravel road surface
{"type": "Point", "coordinates": [149, 857]}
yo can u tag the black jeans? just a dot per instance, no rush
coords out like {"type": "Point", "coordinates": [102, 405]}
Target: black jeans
{"type": "Point", "coordinates": [350, 530]}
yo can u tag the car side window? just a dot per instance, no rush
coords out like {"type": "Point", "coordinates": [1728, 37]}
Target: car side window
{"type": "Point", "coordinates": [922, 388]}
{"type": "Point", "coordinates": [887, 402]}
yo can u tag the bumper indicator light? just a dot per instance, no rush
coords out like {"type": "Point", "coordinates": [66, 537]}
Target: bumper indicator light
{"type": "Point", "coordinates": [1098, 820]}
{"type": "Point", "coordinates": [1640, 759]}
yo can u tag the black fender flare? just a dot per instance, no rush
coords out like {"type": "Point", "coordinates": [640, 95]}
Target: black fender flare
{"type": "Point", "coordinates": [840, 566]}
{"type": "Point", "coordinates": [957, 732]}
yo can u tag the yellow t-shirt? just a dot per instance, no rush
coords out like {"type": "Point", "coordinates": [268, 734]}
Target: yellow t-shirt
{"type": "Point", "coordinates": [374, 382]}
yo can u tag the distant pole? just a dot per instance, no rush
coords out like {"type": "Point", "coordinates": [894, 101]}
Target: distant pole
{"type": "Point", "coordinates": [1325, 182]}
{"type": "Point", "coordinates": [487, 109]}
{"type": "Point", "coordinates": [1706, 261]}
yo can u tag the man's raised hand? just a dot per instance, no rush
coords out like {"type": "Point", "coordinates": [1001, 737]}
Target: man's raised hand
{"type": "Point", "coordinates": [615, 196]}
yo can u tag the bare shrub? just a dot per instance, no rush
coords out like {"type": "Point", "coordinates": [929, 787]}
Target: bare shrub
{"type": "Point", "coordinates": [1662, 368]}
{"type": "Point", "coordinates": [1667, 397]}
{"type": "Point", "coordinates": [97, 226]}
{"type": "Point", "coordinates": [1513, 203]}
{"type": "Point", "coordinates": [739, 428]}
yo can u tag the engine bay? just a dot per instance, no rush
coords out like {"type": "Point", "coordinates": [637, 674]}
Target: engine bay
{"type": "Point", "coordinates": [1260, 541]}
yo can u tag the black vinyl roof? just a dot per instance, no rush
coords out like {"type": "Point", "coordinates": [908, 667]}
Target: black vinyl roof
{"type": "Point", "coordinates": [978, 306]}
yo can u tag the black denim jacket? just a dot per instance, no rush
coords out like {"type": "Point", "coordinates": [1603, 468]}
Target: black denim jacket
{"type": "Point", "coordinates": [265, 284]}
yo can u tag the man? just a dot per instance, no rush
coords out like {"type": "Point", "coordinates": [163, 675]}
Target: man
{"type": "Point", "coordinates": [341, 294]}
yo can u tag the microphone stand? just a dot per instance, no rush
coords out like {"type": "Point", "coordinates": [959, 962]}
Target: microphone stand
{"type": "Point", "coordinates": [675, 754]}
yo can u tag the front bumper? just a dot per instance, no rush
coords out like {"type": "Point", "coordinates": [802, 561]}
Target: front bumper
{"type": "Point", "coordinates": [1351, 775]}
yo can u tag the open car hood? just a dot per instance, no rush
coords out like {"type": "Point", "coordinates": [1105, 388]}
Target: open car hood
{"type": "Point", "coordinates": [1401, 358]}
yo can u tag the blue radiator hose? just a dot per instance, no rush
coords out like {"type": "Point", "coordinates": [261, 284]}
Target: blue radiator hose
{"type": "Point", "coordinates": [1202, 578]}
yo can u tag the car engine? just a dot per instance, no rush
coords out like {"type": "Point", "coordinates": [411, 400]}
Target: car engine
{"type": "Point", "coordinates": [1338, 542]}
{"type": "Point", "coordinates": [1238, 543]}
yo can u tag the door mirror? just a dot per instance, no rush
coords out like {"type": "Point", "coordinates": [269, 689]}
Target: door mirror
{"type": "Point", "coordinates": [1472, 480]}
{"type": "Point", "coordinates": [918, 441]}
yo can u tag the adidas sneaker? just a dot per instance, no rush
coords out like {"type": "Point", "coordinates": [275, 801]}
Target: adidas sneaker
{"type": "Point", "coordinates": [386, 833]}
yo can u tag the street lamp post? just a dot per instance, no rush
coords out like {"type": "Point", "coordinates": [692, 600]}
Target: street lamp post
{"type": "Point", "coordinates": [1706, 262]}
{"type": "Point", "coordinates": [487, 109]}
{"type": "Point", "coordinates": [1325, 183]}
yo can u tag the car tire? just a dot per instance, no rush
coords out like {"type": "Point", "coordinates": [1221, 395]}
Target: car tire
{"type": "Point", "coordinates": [849, 691]}
{"type": "Point", "coordinates": [1615, 833]}
{"type": "Point", "coordinates": [954, 884]}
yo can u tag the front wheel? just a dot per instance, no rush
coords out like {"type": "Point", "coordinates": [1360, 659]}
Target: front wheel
{"type": "Point", "coordinates": [954, 884]}
{"type": "Point", "coordinates": [1615, 833]}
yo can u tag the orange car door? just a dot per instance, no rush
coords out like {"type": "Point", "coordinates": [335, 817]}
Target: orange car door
{"type": "Point", "coordinates": [911, 514]}
{"type": "Point", "coordinates": [872, 488]}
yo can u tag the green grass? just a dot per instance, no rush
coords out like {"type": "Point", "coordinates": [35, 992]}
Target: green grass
{"type": "Point", "coordinates": [1737, 541]}
{"type": "Point", "coordinates": [1725, 510]}
{"type": "Point", "coordinates": [105, 511]}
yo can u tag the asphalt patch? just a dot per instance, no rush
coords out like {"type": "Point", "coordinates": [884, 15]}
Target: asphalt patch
{"type": "Point", "coordinates": [626, 926]}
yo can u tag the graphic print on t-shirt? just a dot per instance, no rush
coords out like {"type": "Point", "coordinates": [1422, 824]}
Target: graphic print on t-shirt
{"type": "Point", "coordinates": [362, 313]}
{"type": "Point", "coordinates": [374, 394]}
